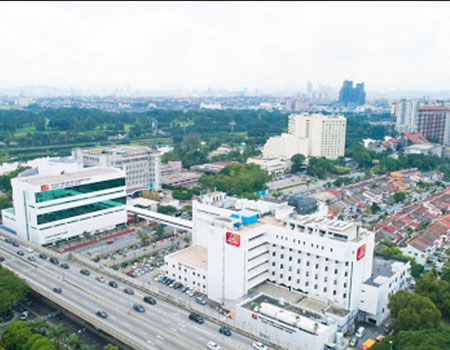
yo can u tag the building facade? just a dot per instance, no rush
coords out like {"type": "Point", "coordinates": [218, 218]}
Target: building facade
{"type": "Point", "coordinates": [56, 205]}
{"type": "Point", "coordinates": [406, 115]}
{"type": "Point", "coordinates": [315, 135]}
{"type": "Point", "coordinates": [352, 95]}
{"type": "Point", "coordinates": [272, 166]}
{"type": "Point", "coordinates": [433, 122]}
{"type": "Point", "coordinates": [142, 165]}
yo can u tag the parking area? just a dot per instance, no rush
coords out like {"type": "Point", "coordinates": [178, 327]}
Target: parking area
{"type": "Point", "coordinates": [370, 332]}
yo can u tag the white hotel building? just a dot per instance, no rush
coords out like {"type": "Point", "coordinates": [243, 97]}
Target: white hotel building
{"type": "Point", "coordinates": [241, 245]}
{"type": "Point", "coordinates": [141, 164]}
{"type": "Point", "coordinates": [59, 199]}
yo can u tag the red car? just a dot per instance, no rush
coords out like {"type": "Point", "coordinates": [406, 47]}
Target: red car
{"type": "Point", "coordinates": [109, 242]}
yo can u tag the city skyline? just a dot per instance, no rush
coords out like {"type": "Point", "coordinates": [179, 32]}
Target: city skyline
{"type": "Point", "coordinates": [231, 46]}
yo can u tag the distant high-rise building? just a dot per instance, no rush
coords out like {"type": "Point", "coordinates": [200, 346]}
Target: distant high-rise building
{"type": "Point", "coordinates": [406, 115]}
{"type": "Point", "coordinates": [433, 122]}
{"type": "Point", "coordinates": [315, 135]}
{"type": "Point", "coordinates": [352, 95]}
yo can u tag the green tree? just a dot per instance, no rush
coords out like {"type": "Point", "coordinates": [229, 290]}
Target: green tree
{"type": "Point", "coordinates": [143, 238]}
{"type": "Point", "coordinates": [159, 231]}
{"type": "Point", "coordinates": [437, 290]}
{"type": "Point", "coordinates": [58, 334]}
{"type": "Point", "coordinates": [16, 334]}
{"type": "Point", "coordinates": [413, 312]}
{"type": "Point", "coordinates": [167, 209]}
{"type": "Point", "coordinates": [298, 161]}
{"type": "Point", "coordinates": [320, 167]}
{"type": "Point", "coordinates": [110, 347]}
{"type": "Point", "coordinates": [12, 288]}
{"type": "Point", "coordinates": [375, 208]}
{"type": "Point", "coordinates": [399, 196]}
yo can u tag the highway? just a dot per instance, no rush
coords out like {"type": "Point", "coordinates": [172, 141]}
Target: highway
{"type": "Point", "coordinates": [162, 326]}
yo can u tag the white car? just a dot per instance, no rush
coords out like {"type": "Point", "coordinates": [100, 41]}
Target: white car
{"type": "Point", "coordinates": [259, 346]}
{"type": "Point", "coordinates": [212, 346]}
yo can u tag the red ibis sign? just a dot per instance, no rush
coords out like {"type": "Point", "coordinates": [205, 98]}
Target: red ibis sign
{"type": "Point", "coordinates": [361, 252]}
{"type": "Point", "coordinates": [233, 239]}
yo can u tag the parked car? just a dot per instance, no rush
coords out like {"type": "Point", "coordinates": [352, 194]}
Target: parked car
{"type": "Point", "coordinates": [359, 333]}
{"type": "Point", "coordinates": [353, 341]}
{"type": "Point", "coordinates": [24, 315]}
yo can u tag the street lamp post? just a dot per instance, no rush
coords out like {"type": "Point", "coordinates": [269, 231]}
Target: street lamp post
{"type": "Point", "coordinates": [390, 344]}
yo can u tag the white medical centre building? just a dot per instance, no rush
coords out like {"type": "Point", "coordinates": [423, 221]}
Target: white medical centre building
{"type": "Point", "coordinates": [60, 199]}
{"type": "Point", "coordinates": [300, 278]}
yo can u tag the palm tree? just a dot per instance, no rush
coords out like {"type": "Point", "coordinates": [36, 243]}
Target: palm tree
{"type": "Point", "coordinates": [58, 333]}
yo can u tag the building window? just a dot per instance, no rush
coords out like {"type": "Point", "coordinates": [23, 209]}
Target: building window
{"type": "Point", "coordinates": [325, 290]}
{"type": "Point", "coordinates": [306, 284]}
{"type": "Point", "coordinates": [299, 261]}
{"type": "Point", "coordinates": [290, 269]}
{"type": "Point", "coordinates": [326, 268]}
{"type": "Point", "coordinates": [317, 266]}
{"type": "Point", "coordinates": [281, 275]}
{"type": "Point", "coordinates": [345, 296]}
{"type": "Point", "coordinates": [273, 254]}
{"type": "Point", "coordinates": [334, 292]}
{"type": "Point", "coordinates": [281, 266]}
{"type": "Point", "coordinates": [335, 282]}
{"type": "Point", "coordinates": [335, 271]}
{"type": "Point", "coordinates": [290, 258]}
{"type": "Point", "coordinates": [307, 263]}
{"type": "Point", "coordinates": [273, 264]}
{"type": "Point", "coordinates": [345, 285]}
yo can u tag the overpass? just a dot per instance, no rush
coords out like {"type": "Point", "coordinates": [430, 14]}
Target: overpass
{"type": "Point", "coordinates": [164, 326]}
{"type": "Point", "coordinates": [150, 215]}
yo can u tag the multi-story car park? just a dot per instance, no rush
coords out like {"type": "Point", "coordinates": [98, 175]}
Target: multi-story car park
{"type": "Point", "coordinates": [142, 165]}
{"type": "Point", "coordinates": [59, 199]}
{"type": "Point", "coordinates": [240, 247]}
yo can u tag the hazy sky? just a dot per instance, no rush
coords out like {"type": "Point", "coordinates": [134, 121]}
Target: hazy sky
{"type": "Point", "coordinates": [225, 45]}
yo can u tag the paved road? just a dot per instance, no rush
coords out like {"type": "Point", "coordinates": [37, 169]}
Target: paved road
{"type": "Point", "coordinates": [163, 326]}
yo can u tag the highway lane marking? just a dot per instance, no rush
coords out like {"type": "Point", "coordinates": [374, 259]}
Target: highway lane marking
{"type": "Point", "coordinates": [150, 342]}
{"type": "Point", "coordinates": [173, 329]}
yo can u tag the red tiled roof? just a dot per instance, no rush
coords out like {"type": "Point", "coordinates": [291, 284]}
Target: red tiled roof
{"type": "Point", "coordinates": [417, 138]}
{"type": "Point", "coordinates": [414, 224]}
{"type": "Point", "coordinates": [406, 220]}
{"type": "Point", "coordinates": [418, 244]}
{"type": "Point", "coordinates": [390, 229]}
{"type": "Point", "coordinates": [333, 191]}
{"type": "Point", "coordinates": [445, 223]}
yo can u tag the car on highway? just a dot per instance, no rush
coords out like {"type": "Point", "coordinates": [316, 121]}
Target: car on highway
{"type": "Point", "coordinates": [128, 291]}
{"type": "Point", "coordinates": [138, 308]}
{"type": "Point", "coordinates": [15, 244]}
{"type": "Point", "coordinates": [57, 290]}
{"type": "Point", "coordinates": [113, 284]}
{"type": "Point", "coordinates": [100, 279]}
{"type": "Point", "coordinates": [7, 240]}
{"type": "Point", "coordinates": [20, 253]}
{"type": "Point", "coordinates": [101, 314]}
{"type": "Point", "coordinates": [259, 346]}
{"type": "Point", "coordinates": [43, 256]}
{"type": "Point", "coordinates": [150, 300]}
{"type": "Point", "coordinates": [31, 258]}
{"type": "Point", "coordinates": [200, 300]}
{"type": "Point", "coordinates": [54, 261]}
{"type": "Point", "coordinates": [2, 258]}
{"type": "Point", "coordinates": [212, 346]}
{"type": "Point", "coordinates": [196, 318]}
{"type": "Point", "coordinates": [96, 259]}
{"type": "Point", "coordinates": [85, 272]}
{"type": "Point", "coordinates": [225, 331]}
{"type": "Point", "coordinates": [64, 266]}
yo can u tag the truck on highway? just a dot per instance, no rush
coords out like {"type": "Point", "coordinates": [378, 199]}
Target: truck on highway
{"type": "Point", "coordinates": [368, 344]}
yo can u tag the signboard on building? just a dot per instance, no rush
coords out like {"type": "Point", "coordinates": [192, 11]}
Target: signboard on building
{"type": "Point", "coordinates": [233, 239]}
{"type": "Point", "coordinates": [45, 187]}
{"type": "Point", "coordinates": [361, 252]}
